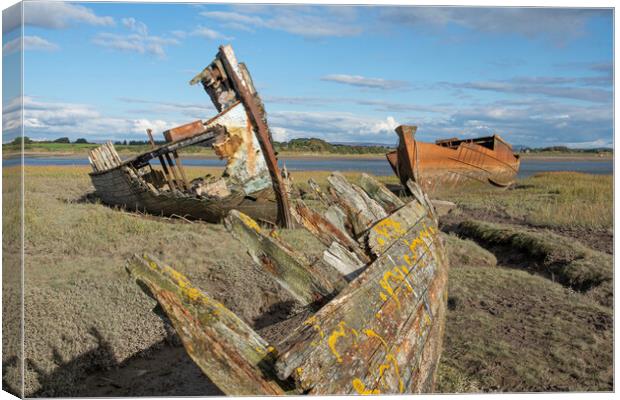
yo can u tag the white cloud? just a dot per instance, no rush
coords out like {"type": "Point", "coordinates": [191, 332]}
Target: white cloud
{"type": "Point", "coordinates": [52, 15]}
{"type": "Point", "coordinates": [305, 21]}
{"type": "Point", "coordinates": [136, 26]}
{"type": "Point", "coordinates": [47, 120]}
{"type": "Point", "coordinates": [556, 24]}
{"type": "Point", "coordinates": [331, 126]}
{"type": "Point", "coordinates": [30, 43]}
{"type": "Point", "coordinates": [207, 33]}
{"type": "Point", "coordinates": [547, 86]}
{"type": "Point", "coordinates": [361, 81]}
{"type": "Point", "coordinates": [137, 42]}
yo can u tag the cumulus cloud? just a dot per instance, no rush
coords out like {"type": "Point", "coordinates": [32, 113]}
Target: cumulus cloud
{"type": "Point", "coordinates": [361, 81]}
{"type": "Point", "coordinates": [138, 41]}
{"type": "Point", "coordinates": [52, 15]}
{"type": "Point", "coordinates": [311, 22]}
{"type": "Point", "coordinates": [46, 120]}
{"type": "Point", "coordinates": [556, 24]}
{"type": "Point", "coordinates": [332, 126]}
{"type": "Point", "coordinates": [30, 43]}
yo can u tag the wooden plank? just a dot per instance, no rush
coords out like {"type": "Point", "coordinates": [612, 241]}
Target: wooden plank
{"type": "Point", "coordinates": [345, 261]}
{"type": "Point", "coordinates": [338, 218]}
{"type": "Point", "coordinates": [421, 196]}
{"type": "Point", "coordinates": [371, 337]}
{"type": "Point", "coordinates": [379, 193]}
{"type": "Point", "coordinates": [308, 283]}
{"type": "Point", "coordinates": [324, 230]}
{"type": "Point", "coordinates": [362, 211]}
{"type": "Point", "coordinates": [184, 131]}
{"type": "Point", "coordinates": [225, 348]}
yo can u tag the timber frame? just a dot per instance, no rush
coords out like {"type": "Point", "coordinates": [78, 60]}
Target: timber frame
{"type": "Point", "coordinates": [378, 299]}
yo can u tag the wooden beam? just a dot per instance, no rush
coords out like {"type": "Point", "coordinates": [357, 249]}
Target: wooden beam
{"type": "Point", "coordinates": [362, 211]}
{"type": "Point", "coordinates": [379, 193]}
{"type": "Point", "coordinates": [225, 348]}
{"type": "Point", "coordinates": [307, 282]}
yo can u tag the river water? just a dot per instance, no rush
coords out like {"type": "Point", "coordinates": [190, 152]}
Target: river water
{"type": "Point", "coordinates": [374, 166]}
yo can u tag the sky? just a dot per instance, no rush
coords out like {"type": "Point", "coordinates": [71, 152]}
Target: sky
{"type": "Point", "coordinates": [107, 71]}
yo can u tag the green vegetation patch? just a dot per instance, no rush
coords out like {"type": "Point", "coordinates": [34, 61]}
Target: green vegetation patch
{"type": "Point", "coordinates": [564, 259]}
{"type": "Point", "coordinates": [551, 199]}
{"type": "Point", "coordinates": [463, 252]}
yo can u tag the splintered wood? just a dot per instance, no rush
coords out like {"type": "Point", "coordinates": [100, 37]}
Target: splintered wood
{"type": "Point", "coordinates": [218, 341]}
{"type": "Point", "coordinates": [381, 289]}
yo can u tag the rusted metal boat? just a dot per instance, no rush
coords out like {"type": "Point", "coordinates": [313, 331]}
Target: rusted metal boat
{"type": "Point", "coordinates": [452, 162]}
{"type": "Point", "coordinates": [375, 303]}
{"type": "Point", "coordinates": [251, 182]}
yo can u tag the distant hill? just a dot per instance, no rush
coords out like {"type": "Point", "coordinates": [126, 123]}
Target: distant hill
{"type": "Point", "coordinates": [315, 145]}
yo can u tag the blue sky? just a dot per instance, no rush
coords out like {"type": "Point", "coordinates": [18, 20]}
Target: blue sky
{"type": "Point", "coordinates": [536, 76]}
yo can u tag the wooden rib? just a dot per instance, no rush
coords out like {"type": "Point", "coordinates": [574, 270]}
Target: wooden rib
{"type": "Point", "coordinates": [225, 348]}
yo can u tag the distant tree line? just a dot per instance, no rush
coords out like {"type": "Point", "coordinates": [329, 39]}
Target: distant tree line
{"type": "Point", "coordinates": [564, 149]}
{"type": "Point", "coordinates": [314, 145]}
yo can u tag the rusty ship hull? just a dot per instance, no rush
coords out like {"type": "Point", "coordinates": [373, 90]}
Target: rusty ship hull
{"type": "Point", "coordinates": [453, 162]}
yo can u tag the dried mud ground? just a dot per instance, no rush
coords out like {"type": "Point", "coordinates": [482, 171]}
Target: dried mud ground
{"type": "Point", "coordinates": [90, 331]}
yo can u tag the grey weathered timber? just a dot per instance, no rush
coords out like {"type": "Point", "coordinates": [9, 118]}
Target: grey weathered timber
{"type": "Point", "coordinates": [338, 218]}
{"type": "Point", "coordinates": [324, 230]}
{"type": "Point", "coordinates": [379, 193]}
{"type": "Point", "coordinates": [372, 337]}
{"type": "Point", "coordinates": [381, 333]}
{"type": "Point", "coordinates": [362, 211]}
{"type": "Point", "coordinates": [420, 196]}
{"type": "Point", "coordinates": [122, 187]}
{"type": "Point", "coordinates": [225, 348]}
{"type": "Point", "coordinates": [307, 282]}
{"type": "Point", "coordinates": [345, 261]}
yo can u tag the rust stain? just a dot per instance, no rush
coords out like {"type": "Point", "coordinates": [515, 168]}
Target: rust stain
{"type": "Point", "coordinates": [452, 162]}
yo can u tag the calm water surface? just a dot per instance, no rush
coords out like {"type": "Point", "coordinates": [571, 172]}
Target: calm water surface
{"type": "Point", "coordinates": [374, 166]}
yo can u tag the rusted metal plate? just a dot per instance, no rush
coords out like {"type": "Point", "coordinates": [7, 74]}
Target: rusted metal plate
{"type": "Point", "coordinates": [184, 131]}
{"type": "Point", "coordinates": [453, 162]}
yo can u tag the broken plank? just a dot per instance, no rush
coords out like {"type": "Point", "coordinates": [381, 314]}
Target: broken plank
{"type": "Point", "coordinates": [324, 230]}
{"type": "Point", "coordinates": [379, 193]}
{"type": "Point", "coordinates": [307, 282]}
{"type": "Point", "coordinates": [345, 261]}
{"type": "Point", "coordinates": [362, 211]}
{"type": "Point", "coordinates": [371, 337]}
{"type": "Point", "coordinates": [225, 348]}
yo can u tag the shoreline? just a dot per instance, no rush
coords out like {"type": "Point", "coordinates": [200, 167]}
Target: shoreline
{"type": "Point", "coordinates": [307, 156]}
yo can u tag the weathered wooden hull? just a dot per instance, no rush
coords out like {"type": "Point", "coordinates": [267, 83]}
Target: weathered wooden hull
{"type": "Point", "coordinates": [380, 290]}
{"type": "Point", "coordinates": [121, 187]}
{"type": "Point", "coordinates": [435, 166]}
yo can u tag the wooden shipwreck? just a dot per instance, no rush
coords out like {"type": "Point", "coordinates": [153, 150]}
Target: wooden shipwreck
{"type": "Point", "coordinates": [453, 162]}
{"type": "Point", "coordinates": [251, 182]}
{"type": "Point", "coordinates": [377, 299]}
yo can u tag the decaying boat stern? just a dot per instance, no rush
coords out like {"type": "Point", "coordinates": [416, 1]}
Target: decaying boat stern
{"type": "Point", "coordinates": [448, 163]}
{"type": "Point", "coordinates": [238, 134]}
{"type": "Point", "coordinates": [378, 299]}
